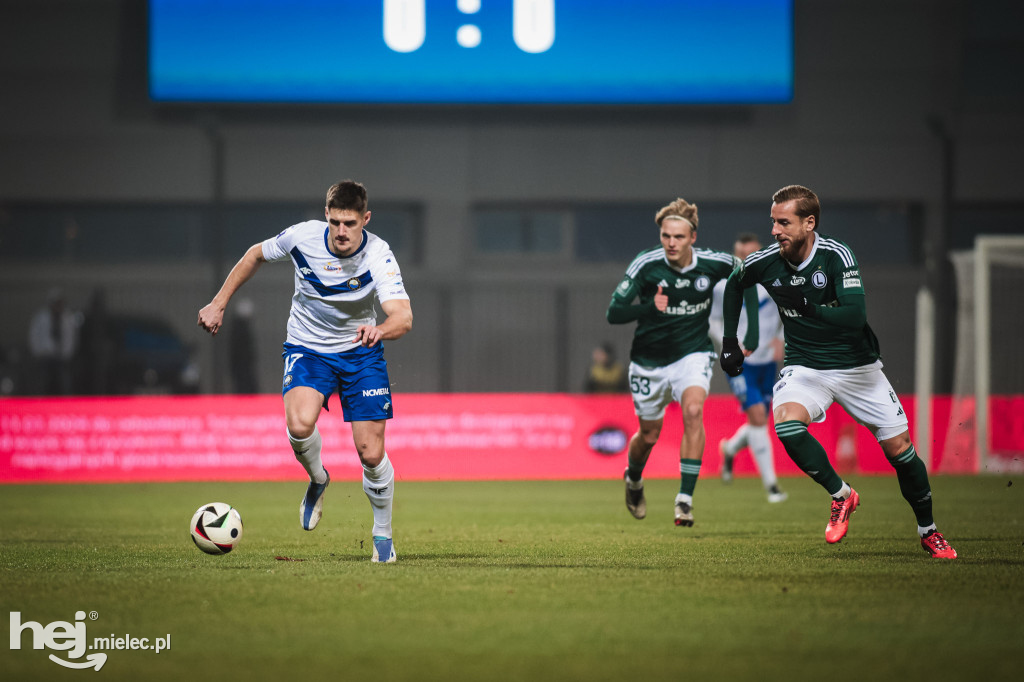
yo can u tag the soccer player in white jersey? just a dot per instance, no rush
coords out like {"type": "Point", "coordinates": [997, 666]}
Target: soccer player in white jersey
{"type": "Point", "coordinates": [334, 342]}
{"type": "Point", "coordinates": [753, 388]}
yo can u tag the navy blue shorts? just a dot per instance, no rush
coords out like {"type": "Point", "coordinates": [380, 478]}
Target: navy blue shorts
{"type": "Point", "coordinates": [359, 375]}
{"type": "Point", "coordinates": [755, 384]}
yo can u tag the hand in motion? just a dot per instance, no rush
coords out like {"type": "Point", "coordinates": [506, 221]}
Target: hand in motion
{"type": "Point", "coordinates": [660, 301]}
{"type": "Point", "coordinates": [732, 356]}
{"type": "Point", "coordinates": [368, 335]}
{"type": "Point", "coordinates": [789, 296]}
{"type": "Point", "coordinates": [211, 318]}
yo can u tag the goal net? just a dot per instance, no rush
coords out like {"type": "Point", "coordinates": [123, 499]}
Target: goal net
{"type": "Point", "coordinates": [986, 419]}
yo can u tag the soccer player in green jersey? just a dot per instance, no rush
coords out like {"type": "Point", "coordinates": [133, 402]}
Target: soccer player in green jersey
{"type": "Point", "coordinates": [831, 356]}
{"type": "Point", "coordinates": [672, 355]}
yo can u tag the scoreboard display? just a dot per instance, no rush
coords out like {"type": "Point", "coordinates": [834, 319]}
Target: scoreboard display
{"type": "Point", "coordinates": [471, 51]}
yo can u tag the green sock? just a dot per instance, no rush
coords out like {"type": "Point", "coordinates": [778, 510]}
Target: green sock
{"type": "Point", "coordinates": [807, 453]}
{"type": "Point", "coordinates": [689, 471]}
{"type": "Point", "coordinates": [634, 471]}
{"type": "Point", "coordinates": [913, 477]}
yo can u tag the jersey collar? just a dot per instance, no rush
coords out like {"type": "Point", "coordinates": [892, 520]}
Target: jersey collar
{"type": "Point", "coordinates": [327, 245]}
{"type": "Point", "coordinates": [691, 266]}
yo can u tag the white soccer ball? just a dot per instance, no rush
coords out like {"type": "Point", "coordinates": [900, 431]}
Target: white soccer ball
{"type": "Point", "coordinates": [216, 528]}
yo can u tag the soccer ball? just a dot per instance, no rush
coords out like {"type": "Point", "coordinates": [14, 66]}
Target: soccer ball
{"type": "Point", "coordinates": [216, 528]}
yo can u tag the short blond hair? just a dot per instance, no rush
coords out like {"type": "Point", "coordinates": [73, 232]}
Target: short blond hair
{"type": "Point", "coordinates": [680, 208]}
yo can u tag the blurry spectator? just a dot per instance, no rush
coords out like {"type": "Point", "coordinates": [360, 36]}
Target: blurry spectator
{"type": "Point", "coordinates": [243, 349]}
{"type": "Point", "coordinates": [53, 343]}
{"type": "Point", "coordinates": [606, 375]}
{"type": "Point", "coordinates": [97, 347]}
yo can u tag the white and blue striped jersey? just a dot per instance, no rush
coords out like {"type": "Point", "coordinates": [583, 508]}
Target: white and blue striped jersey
{"type": "Point", "coordinates": [334, 295]}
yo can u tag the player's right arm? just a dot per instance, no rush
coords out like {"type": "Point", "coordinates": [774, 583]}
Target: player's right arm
{"type": "Point", "coordinates": [211, 317]}
{"type": "Point", "coordinates": [622, 309]}
{"type": "Point", "coordinates": [732, 300]}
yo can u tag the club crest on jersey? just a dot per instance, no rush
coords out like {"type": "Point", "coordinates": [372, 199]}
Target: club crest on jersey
{"type": "Point", "coordinates": [819, 280]}
{"type": "Point", "coordinates": [353, 283]}
{"type": "Point", "coordinates": [702, 283]}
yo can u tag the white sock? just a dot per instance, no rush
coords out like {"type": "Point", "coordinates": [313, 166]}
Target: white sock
{"type": "Point", "coordinates": [761, 449]}
{"type": "Point", "coordinates": [307, 451]}
{"type": "Point", "coordinates": [922, 531]}
{"type": "Point", "coordinates": [683, 497]}
{"type": "Point", "coordinates": [738, 441]}
{"type": "Point", "coordinates": [379, 486]}
{"type": "Point", "coordinates": [844, 492]}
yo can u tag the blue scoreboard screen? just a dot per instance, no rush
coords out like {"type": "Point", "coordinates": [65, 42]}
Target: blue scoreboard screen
{"type": "Point", "coordinates": [472, 51]}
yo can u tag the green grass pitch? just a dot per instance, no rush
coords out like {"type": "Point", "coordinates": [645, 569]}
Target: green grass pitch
{"type": "Point", "coordinates": [523, 581]}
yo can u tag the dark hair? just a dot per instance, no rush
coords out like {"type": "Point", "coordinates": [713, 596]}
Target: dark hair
{"type": "Point", "coordinates": [806, 201]}
{"type": "Point", "coordinates": [347, 195]}
{"type": "Point", "coordinates": [747, 238]}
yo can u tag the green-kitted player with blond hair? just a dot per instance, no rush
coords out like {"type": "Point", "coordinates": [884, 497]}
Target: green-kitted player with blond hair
{"type": "Point", "coordinates": [831, 356]}
{"type": "Point", "coordinates": [672, 355]}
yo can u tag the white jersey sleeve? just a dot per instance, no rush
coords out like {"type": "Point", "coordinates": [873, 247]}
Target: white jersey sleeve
{"type": "Point", "coordinates": [387, 277]}
{"type": "Point", "coordinates": [279, 247]}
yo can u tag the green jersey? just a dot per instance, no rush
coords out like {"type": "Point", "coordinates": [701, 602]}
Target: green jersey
{"type": "Point", "coordinates": [835, 335]}
{"type": "Point", "coordinates": [661, 338]}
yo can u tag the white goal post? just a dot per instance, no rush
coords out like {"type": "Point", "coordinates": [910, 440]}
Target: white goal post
{"type": "Point", "coordinates": [988, 251]}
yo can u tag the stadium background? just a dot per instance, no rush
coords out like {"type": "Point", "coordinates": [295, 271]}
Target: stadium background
{"type": "Point", "coordinates": [512, 224]}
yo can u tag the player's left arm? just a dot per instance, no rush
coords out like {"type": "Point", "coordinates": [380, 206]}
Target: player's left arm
{"type": "Point", "coordinates": [397, 323]}
{"type": "Point", "coordinates": [849, 309]}
{"type": "Point", "coordinates": [394, 301]}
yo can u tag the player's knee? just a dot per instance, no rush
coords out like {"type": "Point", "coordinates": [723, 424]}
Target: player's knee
{"type": "Point", "coordinates": [791, 412]}
{"type": "Point", "coordinates": [648, 437]}
{"type": "Point", "coordinates": [895, 447]}
{"type": "Point", "coordinates": [370, 451]}
{"type": "Point", "coordinates": [298, 427]}
{"type": "Point", "coordinates": [693, 413]}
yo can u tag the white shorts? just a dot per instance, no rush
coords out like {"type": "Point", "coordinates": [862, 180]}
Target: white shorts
{"type": "Point", "coordinates": [863, 392]}
{"type": "Point", "coordinates": [654, 388]}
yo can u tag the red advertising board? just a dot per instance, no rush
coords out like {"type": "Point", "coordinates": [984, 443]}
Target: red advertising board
{"type": "Point", "coordinates": [432, 437]}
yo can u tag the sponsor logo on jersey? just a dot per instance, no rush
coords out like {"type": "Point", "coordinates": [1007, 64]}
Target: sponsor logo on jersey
{"type": "Point", "coordinates": [680, 283]}
{"type": "Point", "coordinates": [688, 308]}
{"type": "Point", "coordinates": [777, 283]}
{"type": "Point", "coordinates": [851, 273]}
{"type": "Point", "coordinates": [624, 284]}
{"type": "Point", "coordinates": [662, 283]}
{"type": "Point", "coordinates": [702, 283]}
{"type": "Point", "coordinates": [819, 280]}
{"type": "Point", "coordinates": [332, 267]}
{"type": "Point", "coordinates": [306, 271]}
{"type": "Point", "coordinates": [371, 392]}
{"type": "Point", "coordinates": [851, 282]}
{"type": "Point", "coordinates": [798, 281]}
